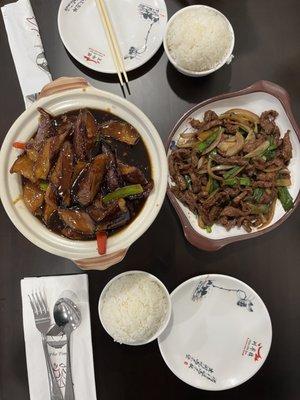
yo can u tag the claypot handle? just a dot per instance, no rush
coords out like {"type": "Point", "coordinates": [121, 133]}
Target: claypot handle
{"type": "Point", "coordinates": [102, 262]}
{"type": "Point", "coordinates": [62, 84]}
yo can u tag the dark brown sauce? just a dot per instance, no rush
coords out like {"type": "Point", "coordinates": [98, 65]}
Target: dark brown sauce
{"type": "Point", "coordinates": [135, 155]}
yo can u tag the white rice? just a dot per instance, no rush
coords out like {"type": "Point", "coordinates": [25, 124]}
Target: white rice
{"type": "Point", "coordinates": [199, 39]}
{"type": "Point", "coordinates": [133, 308]}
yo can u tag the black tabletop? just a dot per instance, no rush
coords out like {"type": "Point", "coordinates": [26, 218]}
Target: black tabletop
{"type": "Point", "coordinates": [267, 47]}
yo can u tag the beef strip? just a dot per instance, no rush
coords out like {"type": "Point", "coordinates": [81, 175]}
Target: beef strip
{"type": "Point", "coordinates": [287, 152]}
{"type": "Point", "coordinates": [267, 121]}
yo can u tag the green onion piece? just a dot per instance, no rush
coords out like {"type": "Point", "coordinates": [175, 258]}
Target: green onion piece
{"type": "Point", "coordinates": [235, 181]}
{"type": "Point", "coordinates": [245, 181]}
{"type": "Point", "coordinates": [257, 194]}
{"type": "Point", "coordinates": [285, 198]}
{"type": "Point", "coordinates": [44, 185]}
{"type": "Point", "coordinates": [233, 172]}
{"type": "Point", "coordinates": [231, 181]}
{"type": "Point", "coordinates": [270, 153]}
{"type": "Point", "coordinates": [258, 208]}
{"type": "Point", "coordinates": [208, 229]}
{"type": "Point", "coordinates": [123, 192]}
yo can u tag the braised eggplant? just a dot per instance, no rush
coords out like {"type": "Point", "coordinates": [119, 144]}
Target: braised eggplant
{"type": "Point", "coordinates": [84, 172]}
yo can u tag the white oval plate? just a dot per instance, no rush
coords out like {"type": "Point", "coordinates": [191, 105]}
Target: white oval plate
{"type": "Point", "coordinates": [257, 102]}
{"type": "Point", "coordinates": [139, 27]}
{"type": "Point", "coordinates": [219, 334]}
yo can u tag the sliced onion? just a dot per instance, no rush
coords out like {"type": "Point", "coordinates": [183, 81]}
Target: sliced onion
{"type": "Point", "coordinates": [274, 169]}
{"type": "Point", "coordinates": [200, 222]}
{"type": "Point", "coordinates": [202, 171]}
{"type": "Point", "coordinates": [210, 172]}
{"type": "Point", "coordinates": [250, 136]}
{"type": "Point", "coordinates": [259, 150]}
{"type": "Point", "coordinates": [230, 148]}
{"type": "Point", "coordinates": [215, 143]}
{"type": "Point", "coordinates": [283, 182]}
{"type": "Point", "coordinates": [183, 143]}
{"type": "Point", "coordinates": [205, 134]}
{"type": "Point", "coordinates": [270, 215]}
{"type": "Point", "coordinates": [235, 118]}
{"type": "Point", "coordinates": [200, 162]}
{"type": "Point", "coordinates": [221, 167]}
{"type": "Point", "coordinates": [187, 135]}
{"type": "Point", "coordinates": [249, 115]}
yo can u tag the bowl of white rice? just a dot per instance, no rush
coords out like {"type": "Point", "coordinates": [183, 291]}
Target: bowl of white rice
{"type": "Point", "coordinates": [134, 308]}
{"type": "Point", "coordinates": [198, 40]}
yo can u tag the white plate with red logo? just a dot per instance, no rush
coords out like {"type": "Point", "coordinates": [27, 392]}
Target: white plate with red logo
{"type": "Point", "coordinates": [219, 334]}
{"type": "Point", "coordinates": [139, 26]}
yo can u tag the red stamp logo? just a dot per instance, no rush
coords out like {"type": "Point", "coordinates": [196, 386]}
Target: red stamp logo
{"type": "Point", "coordinates": [252, 349]}
{"type": "Point", "coordinates": [94, 56]}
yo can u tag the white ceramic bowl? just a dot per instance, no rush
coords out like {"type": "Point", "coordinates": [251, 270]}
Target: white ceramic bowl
{"type": "Point", "coordinates": [61, 96]}
{"type": "Point", "coordinates": [227, 58]}
{"type": "Point", "coordinates": [165, 320]}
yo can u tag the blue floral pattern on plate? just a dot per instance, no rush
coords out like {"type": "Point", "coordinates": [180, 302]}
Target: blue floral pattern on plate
{"type": "Point", "coordinates": [207, 285]}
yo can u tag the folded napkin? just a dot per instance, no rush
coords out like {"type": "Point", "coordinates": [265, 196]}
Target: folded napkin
{"type": "Point", "coordinates": [54, 287]}
{"type": "Point", "coordinates": [26, 48]}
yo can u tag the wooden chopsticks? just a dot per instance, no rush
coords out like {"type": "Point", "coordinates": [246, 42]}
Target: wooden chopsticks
{"type": "Point", "coordinates": [112, 42]}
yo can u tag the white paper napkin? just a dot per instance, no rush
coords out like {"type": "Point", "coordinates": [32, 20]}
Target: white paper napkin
{"type": "Point", "coordinates": [26, 48]}
{"type": "Point", "coordinates": [81, 342]}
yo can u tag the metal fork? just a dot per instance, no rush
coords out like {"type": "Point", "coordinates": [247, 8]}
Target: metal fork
{"type": "Point", "coordinates": [42, 322]}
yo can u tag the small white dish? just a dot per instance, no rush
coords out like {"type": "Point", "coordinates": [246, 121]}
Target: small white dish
{"type": "Point", "coordinates": [165, 320]}
{"type": "Point", "coordinates": [226, 59]}
{"type": "Point", "coordinates": [139, 27]}
{"type": "Point", "coordinates": [219, 334]}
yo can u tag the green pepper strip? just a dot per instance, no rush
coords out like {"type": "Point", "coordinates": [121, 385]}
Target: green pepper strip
{"type": "Point", "coordinates": [43, 186]}
{"type": "Point", "coordinates": [285, 198]}
{"type": "Point", "coordinates": [204, 145]}
{"type": "Point", "coordinates": [235, 181]}
{"type": "Point", "coordinates": [123, 192]}
{"type": "Point", "coordinates": [257, 194]}
{"type": "Point", "coordinates": [233, 172]}
{"type": "Point", "coordinates": [258, 209]}
{"type": "Point", "coordinates": [270, 153]}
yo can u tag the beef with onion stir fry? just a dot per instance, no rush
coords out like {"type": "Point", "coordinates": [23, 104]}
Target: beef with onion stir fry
{"type": "Point", "coordinates": [85, 174]}
{"type": "Point", "coordinates": [230, 169]}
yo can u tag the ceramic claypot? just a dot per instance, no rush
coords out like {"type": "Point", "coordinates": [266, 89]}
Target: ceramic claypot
{"type": "Point", "coordinates": [60, 96]}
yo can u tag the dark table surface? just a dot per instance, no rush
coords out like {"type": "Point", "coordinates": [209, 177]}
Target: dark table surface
{"type": "Point", "coordinates": [267, 47]}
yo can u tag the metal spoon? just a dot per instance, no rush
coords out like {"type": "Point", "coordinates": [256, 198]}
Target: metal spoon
{"type": "Point", "coordinates": [67, 315]}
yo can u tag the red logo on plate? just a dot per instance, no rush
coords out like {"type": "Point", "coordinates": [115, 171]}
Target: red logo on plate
{"type": "Point", "coordinates": [252, 349]}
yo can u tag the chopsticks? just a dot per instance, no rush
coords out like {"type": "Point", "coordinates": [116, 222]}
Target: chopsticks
{"type": "Point", "coordinates": [113, 42]}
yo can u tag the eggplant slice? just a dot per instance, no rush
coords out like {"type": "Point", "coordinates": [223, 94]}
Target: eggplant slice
{"type": "Point", "coordinates": [62, 173]}
{"type": "Point", "coordinates": [77, 220]}
{"type": "Point", "coordinates": [121, 131]}
{"type": "Point", "coordinates": [85, 135]}
{"type": "Point", "coordinates": [33, 196]}
{"type": "Point", "coordinates": [25, 167]}
{"type": "Point", "coordinates": [113, 177]}
{"type": "Point", "coordinates": [88, 182]}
